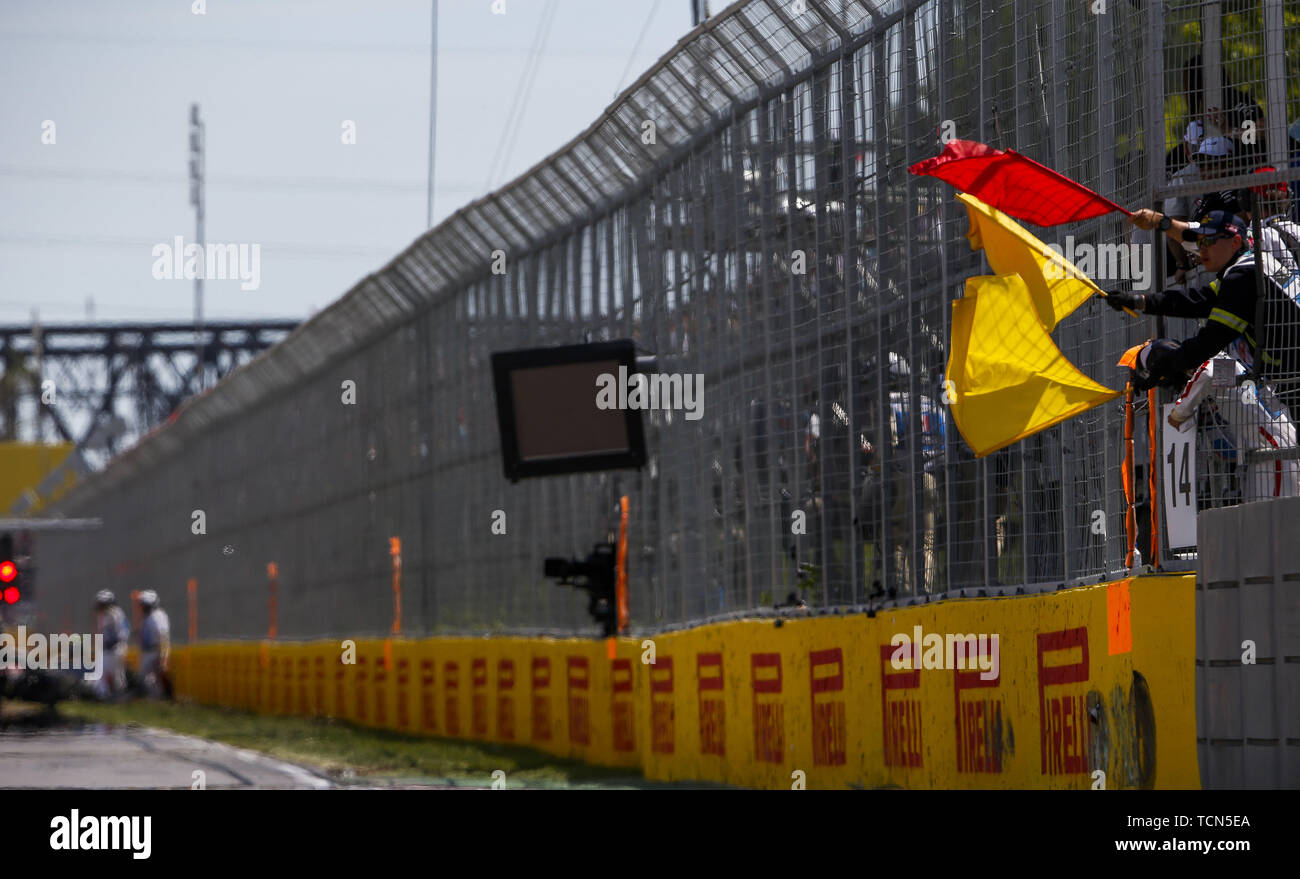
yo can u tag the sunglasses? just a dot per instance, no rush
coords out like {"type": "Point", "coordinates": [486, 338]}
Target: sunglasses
{"type": "Point", "coordinates": [1204, 241]}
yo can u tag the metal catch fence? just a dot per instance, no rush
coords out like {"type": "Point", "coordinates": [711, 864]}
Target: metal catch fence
{"type": "Point", "coordinates": [745, 213]}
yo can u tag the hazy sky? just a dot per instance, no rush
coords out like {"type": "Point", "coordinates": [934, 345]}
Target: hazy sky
{"type": "Point", "coordinates": [276, 79]}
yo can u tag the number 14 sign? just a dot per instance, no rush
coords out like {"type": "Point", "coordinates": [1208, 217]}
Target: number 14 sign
{"type": "Point", "coordinates": [1179, 481]}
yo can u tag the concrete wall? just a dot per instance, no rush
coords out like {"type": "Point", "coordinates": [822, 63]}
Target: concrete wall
{"type": "Point", "coordinates": [1248, 645]}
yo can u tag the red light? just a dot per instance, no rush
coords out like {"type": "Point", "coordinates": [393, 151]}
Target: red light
{"type": "Point", "coordinates": [8, 570]}
{"type": "Point", "coordinates": [11, 595]}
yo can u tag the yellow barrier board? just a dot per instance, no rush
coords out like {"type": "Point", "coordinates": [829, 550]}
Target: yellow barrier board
{"type": "Point", "coordinates": [1081, 688]}
{"type": "Point", "coordinates": [24, 465]}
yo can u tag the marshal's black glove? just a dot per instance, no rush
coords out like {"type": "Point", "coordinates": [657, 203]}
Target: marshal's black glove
{"type": "Point", "coordinates": [1160, 368]}
{"type": "Point", "coordinates": [1162, 359]}
{"type": "Point", "coordinates": [1120, 301]}
{"type": "Point", "coordinates": [1144, 381]}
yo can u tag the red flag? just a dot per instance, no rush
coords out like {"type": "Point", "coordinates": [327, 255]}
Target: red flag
{"type": "Point", "coordinates": [1014, 184]}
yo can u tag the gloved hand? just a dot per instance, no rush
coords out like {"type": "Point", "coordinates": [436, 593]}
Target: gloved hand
{"type": "Point", "coordinates": [1156, 365]}
{"type": "Point", "coordinates": [1160, 359]}
{"type": "Point", "coordinates": [1144, 381]}
{"type": "Point", "coordinates": [1120, 301]}
{"type": "Point", "coordinates": [1145, 219]}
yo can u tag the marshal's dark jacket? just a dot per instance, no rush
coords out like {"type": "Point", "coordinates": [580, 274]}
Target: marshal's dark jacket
{"type": "Point", "coordinates": [1228, 305]}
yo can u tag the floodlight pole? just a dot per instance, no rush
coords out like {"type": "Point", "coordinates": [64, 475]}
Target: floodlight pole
{"type": "Point", "coordinates": [433, 106]}
{"type": "Point", "coordinates": [197, 201]}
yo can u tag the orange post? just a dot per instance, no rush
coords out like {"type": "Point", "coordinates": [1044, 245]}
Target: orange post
{"type": "Point", "coordinates": [621, 587]}
{"type": "Point", "coordinates": [1130, 515]}
{"type": "Point", "coordinates": [395, 550]}
{"type": "Point", "coordinates": [272, 604]}
{"type": "Point", "coordinates": [1154, 447]}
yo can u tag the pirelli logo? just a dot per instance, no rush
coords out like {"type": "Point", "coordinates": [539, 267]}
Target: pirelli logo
{"type": "Point", "coordinates": [340, 688]}
{"type": "Point", "coordinates": [272, 684]}
{"type": "Point", "coordinates": [320, 685]}
{"type": "Point", "coordinates": [1064, 735]}
{"type": "Point", "coordinates": [381, 691]}
{"type": "Point", "coordinates": [979, 719]}
{"type": "Point", "coordinates": [290, 692]}
{"type": "Point", "coordinates": [901, 709]}
{"type": "Point", "coordinates": [252, 681]}
{"type": "Point", "coordinates": [829, 723]}
{"type": "Point", "coordinates": [769, 711]}
{"type": "Point", "coordinates": [403, 693]}
{"type": "Point", "coordinates": [359, 706]}
{"type": "Point", "coordinates": [541, 696]}
{"type": "Point", "coordinates": [623, 707]}
{"type": "Point", "coordinates": [662, 720]}
{"type": "Point", "coordinates": [304, 685]}
{"type": "Point", "coordinates": [478, 704]}
{"type": "Point", "coordinates": [451, 697]}
{"type": "Point", "coordinates": [428, 719]}
{"type": "Point", "coordinates": [506, 699]}
{"type": "Point", "coordinates": [713, 713]}
{"type": "Point", "coordinates": [578, 681]}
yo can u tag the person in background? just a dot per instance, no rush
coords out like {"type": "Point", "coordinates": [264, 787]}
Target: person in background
{"type": "Point", "coordinates": [1183, 158]}
{"type": "Point", "coordinates": [1179, 207]}
{"type": "Point", "coordinates": [1255, 421]}
{"type": "Point", "coordinates": [1210, 163]}
{"type": "Point", "coordinates": [1279, 234]}
{"type": "Point", "coordinates": [927, 466]}
{"type": "Point", "coordinates": [155, 646]}
{"type": "Point", "coordinates": [1232, 114]}
{"type": "Point", "coordinates": [111, 622]}
{"type": "Point", "coordinates": [812, 442]}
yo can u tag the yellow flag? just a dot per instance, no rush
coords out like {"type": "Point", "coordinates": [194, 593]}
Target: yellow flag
{"type": "Point", "coordinates": [1054, 284]}
{"type": "Point", "coordinates": [1008, 378]}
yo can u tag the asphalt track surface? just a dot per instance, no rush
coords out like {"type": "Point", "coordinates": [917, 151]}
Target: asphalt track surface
{"type": "Point", "coordinates": [44, 751]}
{"type": "Point", "coordinates": [72, 756]}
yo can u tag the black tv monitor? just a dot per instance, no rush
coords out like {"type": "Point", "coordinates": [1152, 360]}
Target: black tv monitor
{"type": "Point", "coordinates": [546, 409]}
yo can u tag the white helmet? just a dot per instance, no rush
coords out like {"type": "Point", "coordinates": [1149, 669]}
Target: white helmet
{"type": "Point", "coordinates": [104, 596]}
{"type": "Point", "coordinates": [148, 598]}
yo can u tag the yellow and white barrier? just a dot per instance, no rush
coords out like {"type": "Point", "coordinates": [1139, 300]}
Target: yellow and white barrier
{"type": "Point", "coordinates": [1090, 678]}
